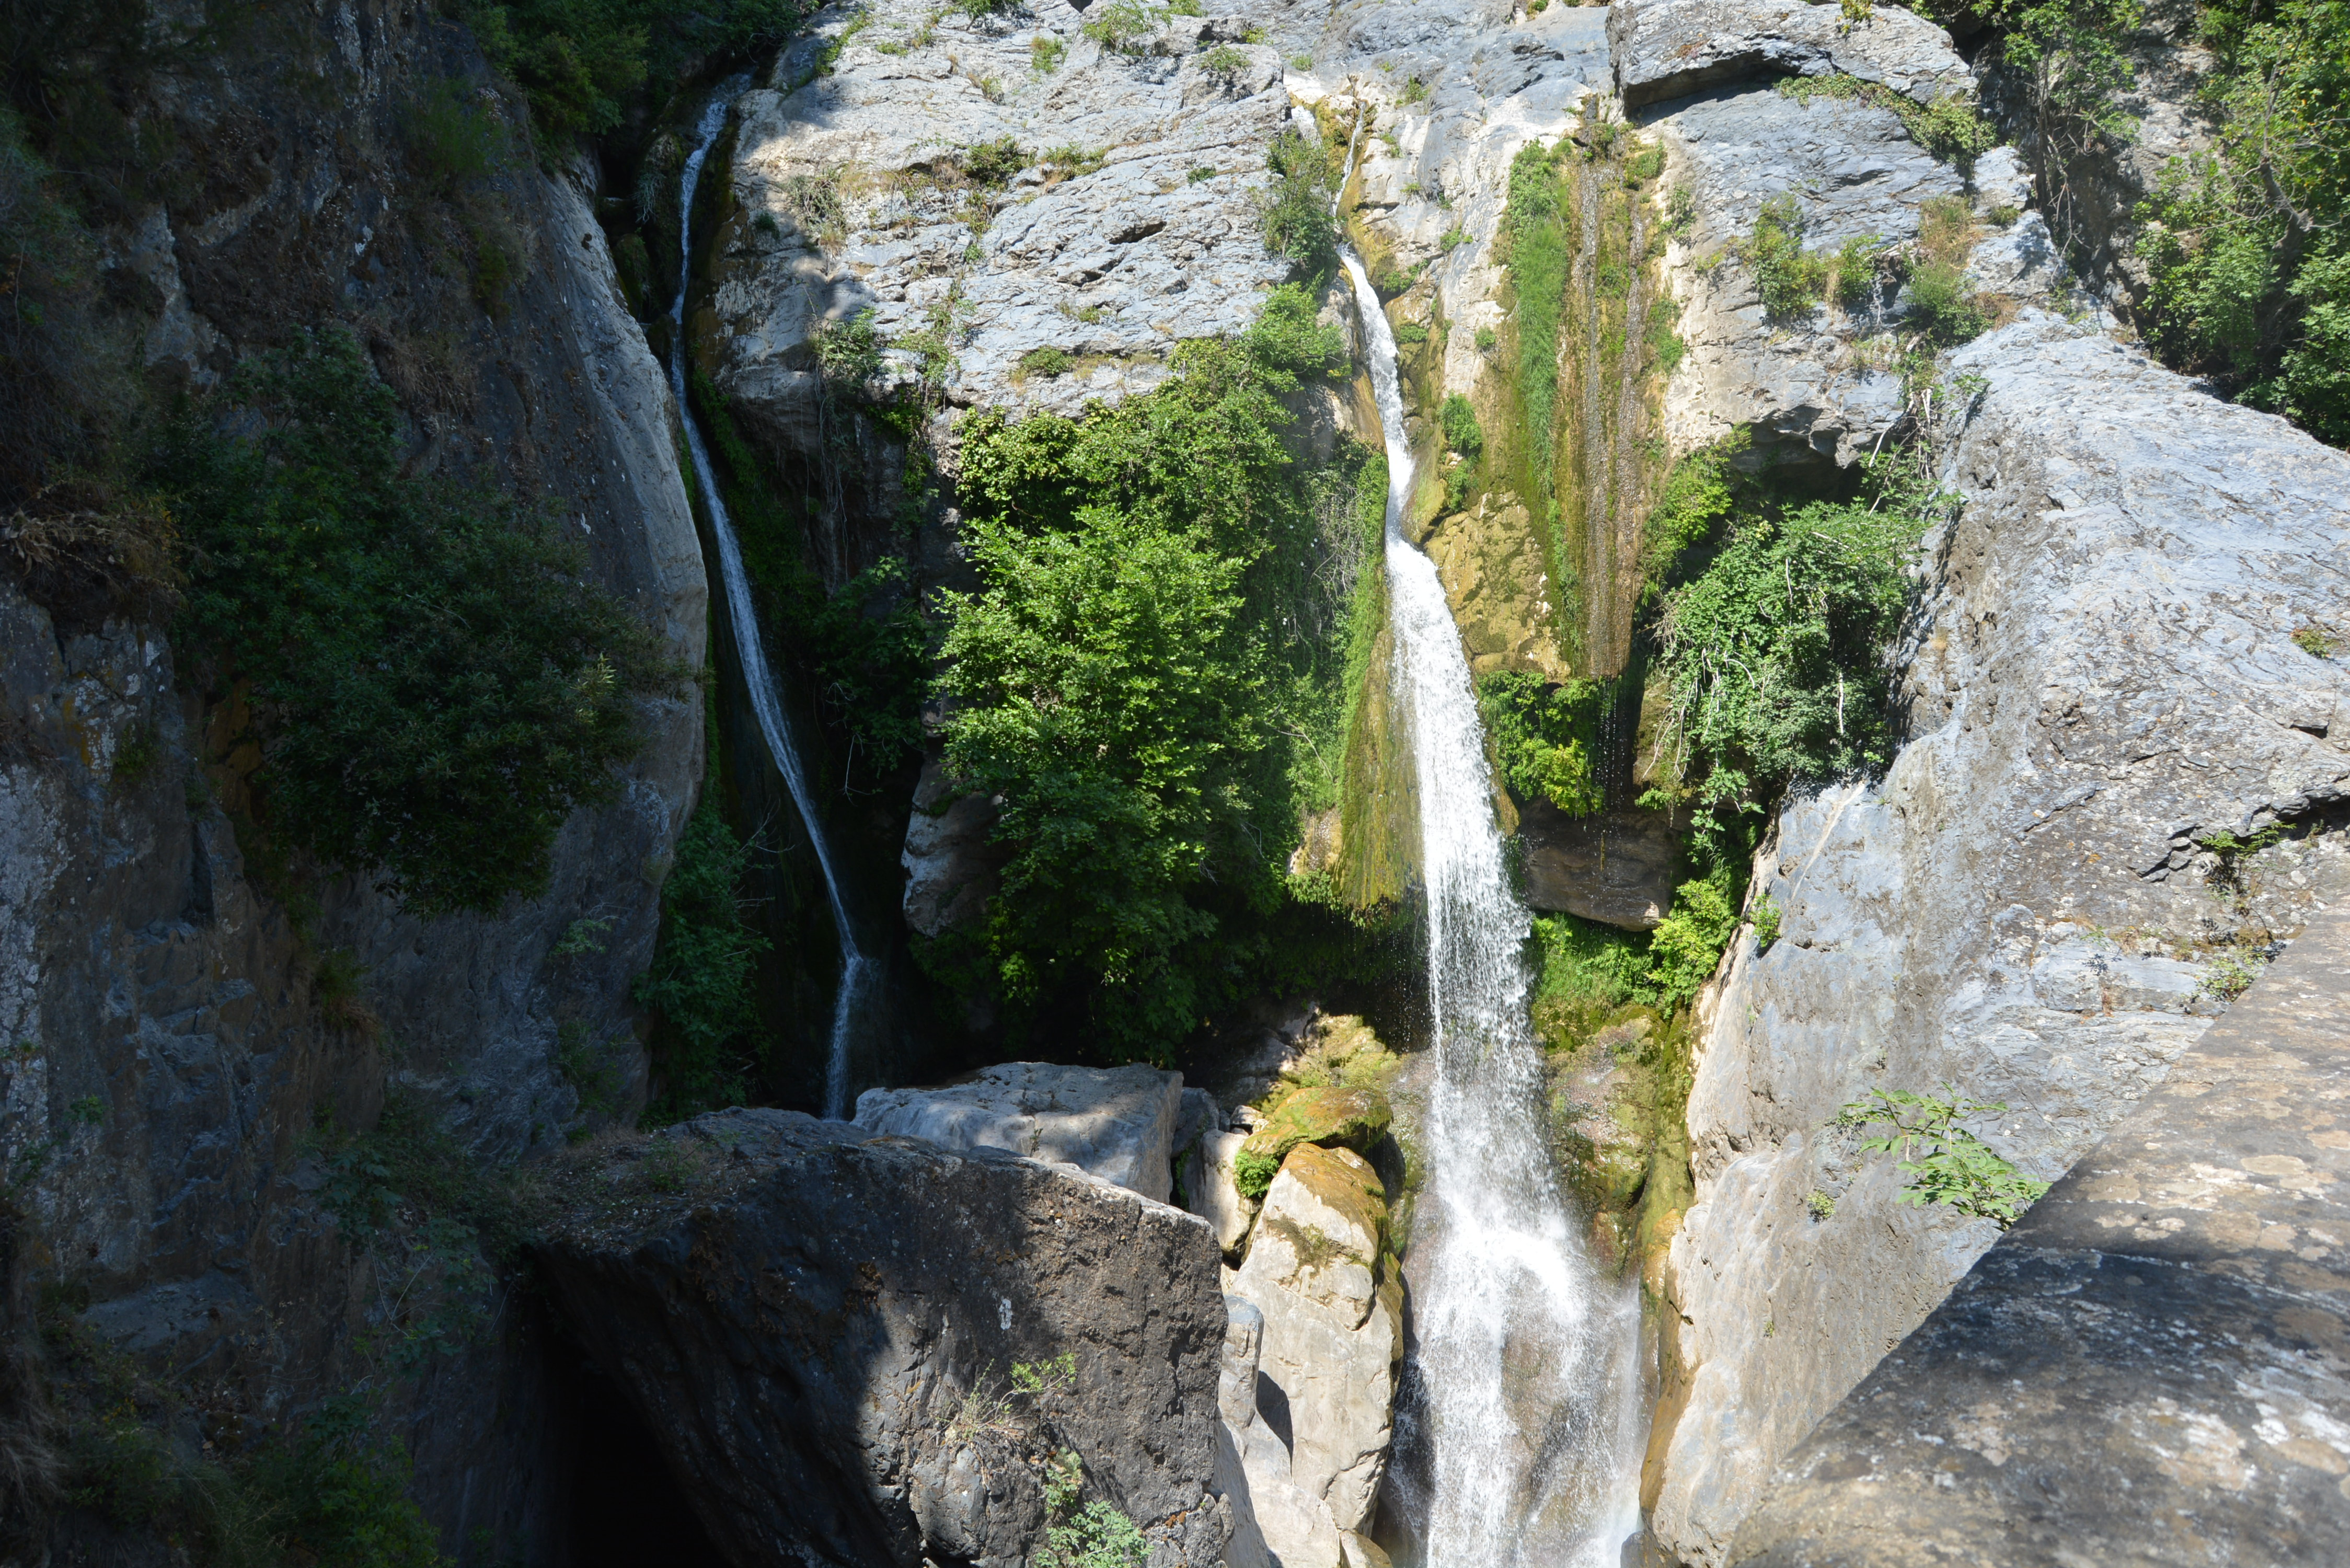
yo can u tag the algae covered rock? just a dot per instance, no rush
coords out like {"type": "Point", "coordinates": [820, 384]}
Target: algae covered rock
{"type": "Point", "coordinates": [1355, 1118]}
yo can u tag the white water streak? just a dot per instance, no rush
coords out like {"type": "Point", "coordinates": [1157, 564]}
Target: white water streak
{"type": "Point", "coordinates": [1522, 1419]}
{"type": "Point", "coordinates": [775, 726]}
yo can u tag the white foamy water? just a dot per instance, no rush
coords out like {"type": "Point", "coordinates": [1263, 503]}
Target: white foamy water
{"type": "Point", "coordinates": [856, 975]}
{"type": "Point", "coordinates": [1519, 1430]}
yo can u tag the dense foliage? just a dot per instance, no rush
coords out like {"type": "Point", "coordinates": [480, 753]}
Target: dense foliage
{"type": "Point", "coordinates": [2247, 247]}
{"type": "Point", "coordinates": [1129, 683]}
{"type": "Point", "coordinates": [436, 686]}
{"type": "Point", "coordinates": [579, 61]}
{"type": "Point", "coordinates": [1547, 736]}
{"type": "Point", "coordinates": [60, 371]}
{"type": "Point", "coordinates": [1774, 656]}
{"type": "Point", "coordinates": [709, 1044]}
{"type": "Point", "coordinates": [1295, 209]}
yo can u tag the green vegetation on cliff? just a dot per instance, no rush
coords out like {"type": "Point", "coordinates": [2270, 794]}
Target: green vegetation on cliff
{"type": "Point", "coordinates": [435, 684]}
{"type": "Point", "coordinates": [1142, 679]}
{"type": "Point", "coordinates": [2247, 243]}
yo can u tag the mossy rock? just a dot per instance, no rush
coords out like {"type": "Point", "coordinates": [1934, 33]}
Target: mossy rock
{"type": "Point", "coordinates": [1347, 1118]}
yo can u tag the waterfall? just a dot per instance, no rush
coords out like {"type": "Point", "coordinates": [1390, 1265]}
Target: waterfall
{"type": "Point", "coordinates": [1519, 1428]}
{"type": "Point", "coordinates": [857, 971]}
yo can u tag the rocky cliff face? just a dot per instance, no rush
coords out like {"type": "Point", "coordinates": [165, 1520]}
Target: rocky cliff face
{"type": "Point", "coordinates": [2105, 674]}
{"type": "Point", "coordinates": [174, 1051]}
{"type": "Point", "coordinates": [868, 1349]}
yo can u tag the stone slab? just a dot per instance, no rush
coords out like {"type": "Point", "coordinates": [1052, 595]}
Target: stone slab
{"type": "Point", "coordinates": [2153, 1367]}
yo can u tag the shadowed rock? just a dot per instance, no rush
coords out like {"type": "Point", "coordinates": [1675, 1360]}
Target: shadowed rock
{"type": "Point", "coordinates": [820, 1327]}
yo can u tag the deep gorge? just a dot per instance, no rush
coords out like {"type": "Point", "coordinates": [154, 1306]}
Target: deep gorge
{"type": "Point", "coordinates": [1517, 763]}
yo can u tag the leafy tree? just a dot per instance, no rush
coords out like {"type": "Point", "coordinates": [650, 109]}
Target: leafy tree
{"type": "Point", "coordinates": [436, 684]}
{"type": "Point", "coordinates": [1129, 683]}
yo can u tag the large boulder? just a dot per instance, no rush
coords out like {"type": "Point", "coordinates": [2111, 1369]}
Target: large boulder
{"type": "Point", "coordinates": [1117, 1123]}
{"type": "Point", "coordinates": [1332, 1325]}
{"type": "Point", "coordinates": [858, 1348]}
{"type": "Point", "coordinates": [1666, 48]}
{"type": "Point", "coordinates": [2151, 1360]}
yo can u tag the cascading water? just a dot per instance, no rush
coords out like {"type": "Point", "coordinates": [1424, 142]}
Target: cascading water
{"type": "Point", "coordinates": [1519, 1428]}
{"type": "Point", "coordinates": [857, 971]}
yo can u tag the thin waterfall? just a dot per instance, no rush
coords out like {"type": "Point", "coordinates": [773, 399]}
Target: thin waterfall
{"type": "Point", "coordinates": [1519, 1427]}
{"type": "Point", "coordinates": [857, 971]}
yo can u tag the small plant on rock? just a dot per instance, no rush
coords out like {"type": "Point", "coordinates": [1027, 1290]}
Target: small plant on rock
{"type": "Point", "coordinates": [1944, 1162]}
{"type": "Point", "coordinates": [1046, 361]}
{"type": "Point", "coordinates": [1788, 280]}
{"type": "Point", "coordinates": [1224, 60]}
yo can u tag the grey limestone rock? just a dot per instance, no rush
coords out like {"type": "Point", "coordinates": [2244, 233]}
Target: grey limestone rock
{"type": "Point", "coordinates": [1141, 232]}
{"type": "Point", "coordinates": [952, 867]}
{"type": "Point", "coordinates": [2103, 671]}
{"type": "Point", "coordinates": [1117, 1123]}
{"type": "Point", "coordinates": [1331, 1333]}
{"type": "Point", "coordinates": [818, 1325]}
{"type": "Point", "coordinates": [2154, 1351]}
{"type": "Point", "coordinates": [1668, 48]}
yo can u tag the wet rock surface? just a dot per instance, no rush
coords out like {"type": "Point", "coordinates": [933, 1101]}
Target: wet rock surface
{"type": "Point", "coordinates": [2148, 1368]}
{"type": "Point", "coordinates": [2104, 678]}
{"type": "Point", "coordinates": [1619, 867]}
{"type": "Point", "coordinates": [819, 1326]}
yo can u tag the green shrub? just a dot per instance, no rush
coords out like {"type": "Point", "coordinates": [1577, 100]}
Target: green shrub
{"type": "Point", "coordinates": [437, 685]}
{"type": "Point", "coordinates": [1698, 494]}
{"type": "Point", "coordinates": [1946, 309]}
{"type": "Point", "coordinates": [1547, 736]}
{"type": "Point", "coordinates": [1944, 1162]}
{"type": "Point", "coordinates": [1686, 945]}
{"type": "Point", "coordinates": [1125, 26]}
{"type": "Point", "coordinates": [1046, 361]}
{"type": "Point", "coordinates": [1045, 53]}
{"type": "Point", "coordinates": [1465, 437]}
{"type": "Point", "coordinates": [1788, 280]}
{"type": "Point", "coordinates": [849, 352]}
{"type": "Point", "coordinates": [2250, 277]}
{"type": "Point", "coordinates": [1253, 1171]}
{"type": "Point", "coordinates": [1222, 60]}
{"type": "Point", "coordinates": [1294, 211]}
{"type": "Point", "coordinates": [991, 163]}
{"type": "Point", "coordinates": [1289, 338]}
{"type": "Point", "coordinates": [1766, 923]}
{"type": "Point", "coordinates": [1410, 334]}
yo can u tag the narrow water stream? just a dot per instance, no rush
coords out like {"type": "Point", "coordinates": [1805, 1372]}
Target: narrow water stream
{"type": "Point", "coordinates": [858, 970]}
{"type": "Point", "coordinates": [1519, 1424]}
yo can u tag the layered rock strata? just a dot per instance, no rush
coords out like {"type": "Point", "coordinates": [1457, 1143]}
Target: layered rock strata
{"type": "Point", "coordinates": [2148, 1368]}
{"type": "Point", "coordinates": [863, 1348]}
